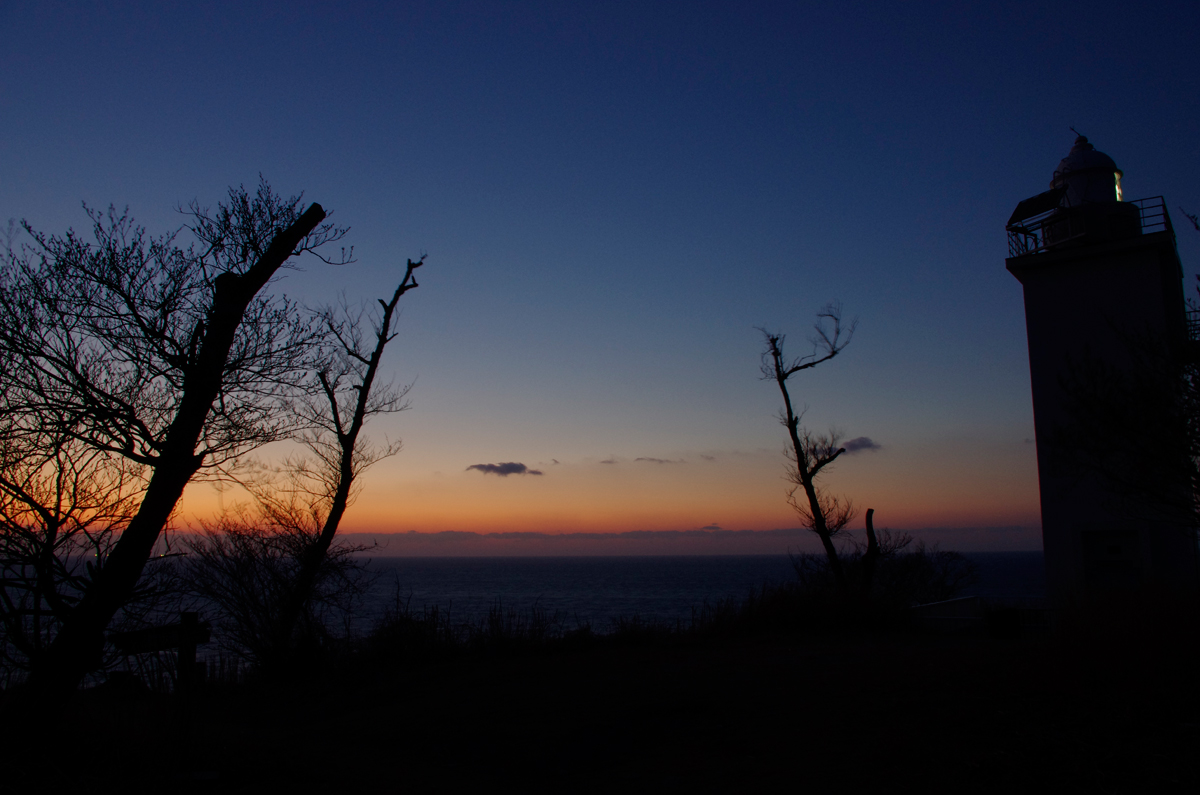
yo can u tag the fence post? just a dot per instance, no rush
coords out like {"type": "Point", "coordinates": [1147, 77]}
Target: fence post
{"type": "Point", "coordinates": [185, 661]}
{"type": "Point", "coordinates": [185, 673]}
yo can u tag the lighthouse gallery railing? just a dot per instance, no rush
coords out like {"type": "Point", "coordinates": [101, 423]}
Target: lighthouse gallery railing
{"type": "Point", "coordinates": [1060, 224]}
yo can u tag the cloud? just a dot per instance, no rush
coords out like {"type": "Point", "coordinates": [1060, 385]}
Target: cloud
{"type": "Point", "coordinates": [660, 460]}
{"type": "Point", "coordinates": [708, 457]}
{"type": "Point", "coordinates": [861, 443]}
{"type": "Point", "coordinates": [713, 526]}
{"type": "Point", "coordinates": [609, 461]}
{"type": "Point", "coordinates": [505, 469]}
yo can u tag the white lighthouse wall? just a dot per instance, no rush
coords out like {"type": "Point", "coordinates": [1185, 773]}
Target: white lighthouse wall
{"type": "Point", "coordinates": [1090, 306]}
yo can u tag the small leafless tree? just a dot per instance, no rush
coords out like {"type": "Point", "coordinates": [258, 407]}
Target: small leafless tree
{"type": "Point", "coordinates": [810, 454]}
{"type": "Point", "coordinates": [268, 573]}
{"type": "Point", "coordinates": [888, 569]}
{"type": "Point", "coordinates": [165, 356]}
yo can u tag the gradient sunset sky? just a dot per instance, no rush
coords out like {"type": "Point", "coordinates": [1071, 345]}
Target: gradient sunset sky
{"type": "Point", "coordinates": [612, 197]}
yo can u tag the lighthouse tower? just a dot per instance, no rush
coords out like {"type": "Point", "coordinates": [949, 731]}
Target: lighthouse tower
{"type": "Point", "coordinates": [1107, 328]}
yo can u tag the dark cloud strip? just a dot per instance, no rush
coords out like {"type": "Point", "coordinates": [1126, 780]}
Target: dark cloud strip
{"type": "Point", "coordinates": [860, 444]}
{"type": "Point", "coordinates": [505, 469]}
{"type": "Point", "coordinates": [660, 460]}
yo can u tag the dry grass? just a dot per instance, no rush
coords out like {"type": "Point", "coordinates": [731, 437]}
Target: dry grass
{"type": "Point", "coordinates": [734, 700]}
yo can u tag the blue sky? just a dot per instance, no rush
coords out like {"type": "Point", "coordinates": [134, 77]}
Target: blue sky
{"type": "Point", "coordinates": [612, 197]}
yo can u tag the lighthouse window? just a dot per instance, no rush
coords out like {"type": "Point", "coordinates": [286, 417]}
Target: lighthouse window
{"type": "Point", "coordinates": [1117, 174]}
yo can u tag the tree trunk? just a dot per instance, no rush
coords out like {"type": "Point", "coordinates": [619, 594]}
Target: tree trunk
{"type": "Point", "coordinates": [314, 556]}
{"type": "Point", "coordinates": [871, 556]}
{"type": "Point", "coordinates": [792, 421]}
{"type": "Point", "coordinates": [819, 525]}
{"type": "Point", "coordinates": [78, 647]}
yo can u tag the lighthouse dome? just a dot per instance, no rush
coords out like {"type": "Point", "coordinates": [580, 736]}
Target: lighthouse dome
{"type": "Point", "coordinates": [1089, 175]}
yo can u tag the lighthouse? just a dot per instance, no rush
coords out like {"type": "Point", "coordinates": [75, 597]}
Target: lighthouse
{"type": "Point", "coordinates": [1108, 334]}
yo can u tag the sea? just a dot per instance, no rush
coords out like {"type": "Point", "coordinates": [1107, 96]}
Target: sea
{"type": "Point", "coordinates": [597, 591]}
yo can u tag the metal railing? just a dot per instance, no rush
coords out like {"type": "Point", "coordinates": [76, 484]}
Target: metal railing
{"type": "Point", "coordinates": [1062, 224]}
{"type": "Point", "coordinates": [1154, 215]}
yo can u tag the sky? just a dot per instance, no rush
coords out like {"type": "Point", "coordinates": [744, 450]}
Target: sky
{"type": "Point", "coordinates": [613, 198]}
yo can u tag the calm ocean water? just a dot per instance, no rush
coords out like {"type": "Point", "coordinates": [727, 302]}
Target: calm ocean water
{"type": "Point", "coordinates": [600, 589]}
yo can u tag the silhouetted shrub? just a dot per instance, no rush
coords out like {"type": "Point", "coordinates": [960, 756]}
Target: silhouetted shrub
{"type": "Point", "coordinates": [244, 569]}
{"type": "Point", "coordinates": [408, 636]}
{"type": "Point", "coordinates": [906, 573]}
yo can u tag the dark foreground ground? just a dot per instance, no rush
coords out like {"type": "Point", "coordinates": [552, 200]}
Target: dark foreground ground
{"type": "Point", "coordinates": [1111, 705]}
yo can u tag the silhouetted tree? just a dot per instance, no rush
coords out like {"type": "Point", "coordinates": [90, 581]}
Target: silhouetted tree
{"type": "Point", "coordinates": [164, 356]}
{"type": "Point", "coordinates": [267, 570]}
{"type": "Point", "coordinates": [808, 453]}
{"type": "Point", "coordinates": [61, 504]}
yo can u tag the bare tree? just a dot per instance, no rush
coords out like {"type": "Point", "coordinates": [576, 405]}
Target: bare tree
{"type": "Point", "coordinates": [884, 570]}
{"type": "Point", "coordinates": [166, 356]}
{"type": "Point", "coordinates": [808, 453]}
{"type": "Point", "coordinates": [350, 398]}
{"type": "Point", "coordinates": [266, 571]}
{"type": "Point", "coordinates": [61, 506]}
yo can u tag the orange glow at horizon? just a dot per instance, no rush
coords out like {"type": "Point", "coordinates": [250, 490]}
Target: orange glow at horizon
{"type": "Point", "coordinates": [743, 493]}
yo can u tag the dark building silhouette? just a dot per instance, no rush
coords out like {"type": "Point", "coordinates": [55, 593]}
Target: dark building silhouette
{"type": "Point", "coordinates": [1106, 321]}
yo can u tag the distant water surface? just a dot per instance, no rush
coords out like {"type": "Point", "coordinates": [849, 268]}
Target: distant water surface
{"type": "Point", "coordinates": [1008, 574]}
{"type": "Point", "coordinates": [597, 590]}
